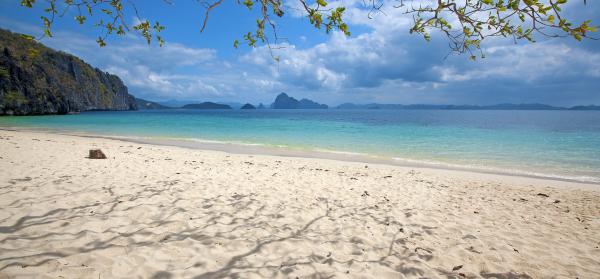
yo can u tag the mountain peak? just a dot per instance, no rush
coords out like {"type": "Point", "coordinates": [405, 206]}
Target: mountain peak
{"type": "Point", "coordinates": [283, 101]}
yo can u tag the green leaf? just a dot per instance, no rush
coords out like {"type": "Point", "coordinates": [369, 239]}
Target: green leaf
{"type": "Point", "coordinates": [27, 3]}
{"type": "Point", "coordinates": [101, 42]}
{"type": "Point", "coordinates": [248, 3]}
{"type": "Point", "coordinates": [28, 37]}
{"type": "Point", "coordinates": [80, 19]}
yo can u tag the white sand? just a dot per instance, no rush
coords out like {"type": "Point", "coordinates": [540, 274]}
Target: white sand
{"type": "Point", "coordinates": [168, 212]}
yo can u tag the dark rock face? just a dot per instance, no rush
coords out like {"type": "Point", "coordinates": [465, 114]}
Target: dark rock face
{"type": "Point", "coordinates": [148, 105]}
{"type": "Point", "coordinates": [283, 101]}
{"type": "Point", "coordinates": [309, 104]}
{"type": "Point", "coordinates": [206, 105]}
{"type": "Point", "coordinates": [35, 79]}
{"type": "Point", "coordinates": [248, 106]}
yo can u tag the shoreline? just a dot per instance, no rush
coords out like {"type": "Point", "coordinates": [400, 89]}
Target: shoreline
{"type": "Point", "coordinates": [258, 149]}
{"type": "Point", "coordinates": [154, 211]}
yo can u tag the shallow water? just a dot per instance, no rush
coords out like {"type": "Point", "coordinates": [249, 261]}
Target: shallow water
{"type": "Point", "coordinates": [559, 144]}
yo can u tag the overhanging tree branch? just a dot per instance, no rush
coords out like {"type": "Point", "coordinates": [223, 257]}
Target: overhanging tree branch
{"type": "Point", "coordinates": [465, 23]}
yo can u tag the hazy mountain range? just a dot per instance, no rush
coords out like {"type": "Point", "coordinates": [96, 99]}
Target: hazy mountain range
{"type": "Point", "coordinates": [283, 101]}
{"type": "Point", "coordinates": [533, 106]}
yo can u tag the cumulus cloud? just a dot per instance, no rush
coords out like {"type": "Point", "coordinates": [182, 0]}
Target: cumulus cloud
{"type": "Point", "coordinates": [148, 70]}
{"type": "Point", "coordinates": [543, 62]}
{"type": "Point", "coordinates": [392, 65]}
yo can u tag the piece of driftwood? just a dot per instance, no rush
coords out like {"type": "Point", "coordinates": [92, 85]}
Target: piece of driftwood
{"type": "Point", "coordinates": [96, 154]}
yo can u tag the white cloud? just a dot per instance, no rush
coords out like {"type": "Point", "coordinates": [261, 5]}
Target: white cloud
{"type": "Point", "coordinates": [528, 62]}
{"type": "Point", "coordinates": [388, 61]}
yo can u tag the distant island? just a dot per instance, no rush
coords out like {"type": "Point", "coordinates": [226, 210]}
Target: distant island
{"type": "Point", "coordinates": [248, 106]}
{"type": "Point", "coordinates": [591, 107]}
{"type": "Point", "coordinates": [35, 79]}
{"type": "Point", "coordinates": [147, 105]}
{"type": "Point", "coordinates": [283, 101]}
{"type": "Point", "coordinates": [463, 107]}
{"type": "Point", "coordinates": [206, 105]}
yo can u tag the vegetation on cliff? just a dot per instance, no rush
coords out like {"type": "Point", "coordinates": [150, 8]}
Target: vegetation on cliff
{"type": "Point", "coordinates": [35, 79]}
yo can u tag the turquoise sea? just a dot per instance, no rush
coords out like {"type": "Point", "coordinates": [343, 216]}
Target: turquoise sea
{"type": "Point", "coordinates": [556, 144]}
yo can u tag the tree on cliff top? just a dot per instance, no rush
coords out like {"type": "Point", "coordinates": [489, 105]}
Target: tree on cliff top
{"type": "Point", "coordinates": [465, 23]}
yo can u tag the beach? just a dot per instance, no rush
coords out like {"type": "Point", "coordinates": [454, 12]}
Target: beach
{"type": "Point", "coordinates": [157, 211]}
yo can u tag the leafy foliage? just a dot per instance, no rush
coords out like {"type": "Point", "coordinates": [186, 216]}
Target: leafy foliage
{"type": "Point", "coordinates": [466, 23]}
{"type": "Point", "coordinates": [109, 16]}
{"type": "Point", "coordinates": [14, 99]}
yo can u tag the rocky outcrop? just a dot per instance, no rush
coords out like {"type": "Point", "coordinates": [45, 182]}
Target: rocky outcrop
{"type": "Point", "coordinates": [248, 106]}
{"type": "Point", "coordinates": [309, 104]}
{"type": "Point", "coordinates": [35, 79]}
{"type": "Point", "coordinates": [283, 101]}
{"type": "Point", "coordinates": [206, 105]}
{"type": "Point", "coordinates": [148, 105]}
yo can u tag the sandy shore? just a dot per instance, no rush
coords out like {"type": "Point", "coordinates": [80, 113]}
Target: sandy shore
{"type": "Point", "coordinates": [153, 211]}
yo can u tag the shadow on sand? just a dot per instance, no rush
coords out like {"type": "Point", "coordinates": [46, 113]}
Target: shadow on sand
{"type": "Point", "coordinates": [222, 220]}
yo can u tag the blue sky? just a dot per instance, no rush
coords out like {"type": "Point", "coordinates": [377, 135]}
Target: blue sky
{"type": "Point", "coordinates": [380, 62]}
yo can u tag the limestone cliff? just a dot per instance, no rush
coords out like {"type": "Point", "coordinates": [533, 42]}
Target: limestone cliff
{"type": "Point", "coordinates": [35, 79]}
